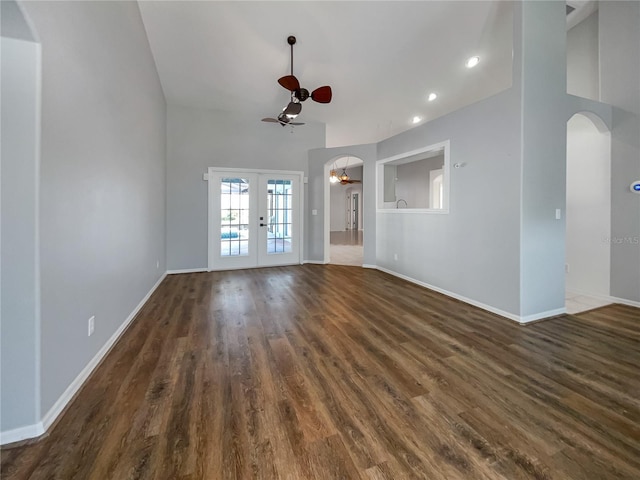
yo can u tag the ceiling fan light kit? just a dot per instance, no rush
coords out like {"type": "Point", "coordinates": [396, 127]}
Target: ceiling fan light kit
{"type": "Point", "coordinates": [298, 94]}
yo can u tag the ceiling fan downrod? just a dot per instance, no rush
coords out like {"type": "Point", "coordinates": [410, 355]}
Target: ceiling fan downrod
{"type": "Point", "coordinates": [291, 40]}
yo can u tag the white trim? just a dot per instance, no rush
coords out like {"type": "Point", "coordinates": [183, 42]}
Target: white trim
{"type": "Point", "coordinates": [326, 211]}
{"type": "Point", "coordinates": [446, 168]}
{"type": "Point", "coordinates": [315, 262]}
{"type": "Point", "coordinates": [516, 318]}
{"type": "Point", "coordinates": [624, 301]}
{"type": "Point", "coordinates": [22, 433]}
{"type": "Point", "coordinates": [186, 270]}
{"type": "Point", "coordinates": [32, 431]}
{"type": "Point", "coordinates": [38, 283]}
{"type": "Point", "coordinates": [542, 315]}
{"type": "Point", "coordinates": [366, 265]}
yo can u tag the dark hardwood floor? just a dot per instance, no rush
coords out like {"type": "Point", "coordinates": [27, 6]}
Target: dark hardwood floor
{"type": "Point", "coordinates": [331, 372]}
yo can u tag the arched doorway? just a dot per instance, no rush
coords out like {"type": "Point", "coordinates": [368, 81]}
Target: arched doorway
{"type": "Point", "coordinates": [345, 211]}
{"type": "Point", "coordinates": [588, 213]}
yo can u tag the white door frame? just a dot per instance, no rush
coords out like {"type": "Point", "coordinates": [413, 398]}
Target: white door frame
{"type": "Point", "coordinates": [212, 191]}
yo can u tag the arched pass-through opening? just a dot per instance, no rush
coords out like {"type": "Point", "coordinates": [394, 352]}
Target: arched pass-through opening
{"type": "Point", "coordinates": [344, 211]}
{"type": "Point", "coordinates": [588, 213]}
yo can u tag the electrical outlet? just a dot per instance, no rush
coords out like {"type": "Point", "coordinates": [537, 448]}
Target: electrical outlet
{"type": "Point", "coordinates": [157, 263]}
{"type": "Point", "coordinates": [395, 256]}
{"type": "Point", "coordinates": [91, 325]}
{"type": "Point", "coordinates": [566, 268]}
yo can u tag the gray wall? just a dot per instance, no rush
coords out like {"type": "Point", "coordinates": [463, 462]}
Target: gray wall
{"type": "Point", "coordinates": [474, 250]}
{"type": "Point", "coordinates": [583, 77]}
{"type": "Point", "coordinates": [500, 245]}
{"type": "Point", "coordinates": [102, 195]}
{"type": "Point", "coordinates": [198, 139]}
{"type": "Point", "coordinates": [19, 296]}
{"type": "Point", "coordinates": [413, 184]}
{"type": "Point", "coordinates": [540, 50]}
{"type": "Point", "coordinates": [619, 79]}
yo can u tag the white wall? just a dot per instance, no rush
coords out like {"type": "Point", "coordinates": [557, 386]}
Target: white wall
{"type": "Point", "coordinates": [588, 207]}
{"type": "Point", "coordinates": [19, 295]}
{"type": "Point", "coordinates": [583, 64]}
{"type": "Point", "coordinates": [198, 139]}
{"type": "Point", "coordinates": [102, 195]}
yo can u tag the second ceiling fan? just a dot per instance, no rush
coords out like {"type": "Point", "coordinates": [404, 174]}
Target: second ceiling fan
{"type": "Point", "coordinates": [298, 94]}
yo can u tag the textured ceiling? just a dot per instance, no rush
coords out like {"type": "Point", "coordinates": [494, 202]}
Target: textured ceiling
{"type": "Point", "coordinates": [381, 58]}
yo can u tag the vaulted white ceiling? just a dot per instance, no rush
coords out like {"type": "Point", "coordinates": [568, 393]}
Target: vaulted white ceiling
{"type": "Point", "coordinates": [382, 59]}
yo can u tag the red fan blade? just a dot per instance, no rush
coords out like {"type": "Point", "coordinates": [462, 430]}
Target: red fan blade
{"type": "Point", "coordinates": [289, 82]}
{"type": "Point", "coordinates": [322, 94]}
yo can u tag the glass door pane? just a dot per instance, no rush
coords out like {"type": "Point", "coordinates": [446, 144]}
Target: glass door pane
{"type": "Point", "coordinates": [280, 232]}
{"type": "Point", "coordinates": [279, 214]}
{"type": "Point", "coordinates": [232, 220]}
{"type": "Point", "coordinates": [234, 217]}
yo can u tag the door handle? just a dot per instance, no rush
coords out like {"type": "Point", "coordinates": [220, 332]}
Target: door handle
{"type": "Point", "coordinates": [263, 224]}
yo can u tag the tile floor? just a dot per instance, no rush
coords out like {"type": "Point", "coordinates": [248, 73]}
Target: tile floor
{"type": "Point", "coordinates": [576, 303]}
{"type": "Point", "coordinates": [346, 248]}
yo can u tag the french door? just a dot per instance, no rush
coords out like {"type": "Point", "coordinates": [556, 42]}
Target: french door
{"type": "Point", "coordinates": [254, 218]}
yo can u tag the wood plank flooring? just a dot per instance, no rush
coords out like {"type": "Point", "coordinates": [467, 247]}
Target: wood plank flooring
{"type": "Point", "coordinates": [332, 372]}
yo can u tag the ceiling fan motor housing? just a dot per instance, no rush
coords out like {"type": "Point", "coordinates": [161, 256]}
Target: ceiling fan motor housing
{"type": "Point", "coordinates": [301, 94]}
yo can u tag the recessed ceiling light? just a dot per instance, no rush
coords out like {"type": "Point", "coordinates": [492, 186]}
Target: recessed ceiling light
{"type": "Point", "coordinates": [432, 97]}
{"type": "Point", "coordinates": [416, 119]}
{"type": "Point", "coordinates": [472, 62]}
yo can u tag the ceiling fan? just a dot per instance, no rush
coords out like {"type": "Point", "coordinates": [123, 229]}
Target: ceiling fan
{"type": "Point", "coordinates": [283, 120]}
{"type": "Point", "coordinates": [343, 178]}
{"type": "Point", "coordinates": [298, 94]}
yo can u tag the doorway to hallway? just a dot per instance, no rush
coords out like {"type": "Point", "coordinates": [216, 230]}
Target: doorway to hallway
{"type": "Point", "coordinates": [345, 213]}
{"type": "Point", "coordinates": [346, 247]}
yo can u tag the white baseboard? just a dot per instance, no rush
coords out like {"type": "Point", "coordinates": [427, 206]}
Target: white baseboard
{"type": "Point", "coordinates": [22, 433]}
{"type": "Point", "coordinates": [624, 301]}
{"type": "Point", "coordinates": [33, 431]}
{"type": "Point", "coordinates": [511, 316]}
{"type": "Point", "coordinates": [187, 270]}
{"type": "Point", "coordinates": [315, 262]}
{"type": "Point", "coordinates": [366, 265]}
{"type": "Point", "coordinates": [606, 298]}
{"type": "Point", "coordinates": [542, 315]}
